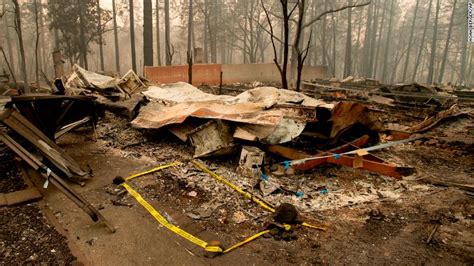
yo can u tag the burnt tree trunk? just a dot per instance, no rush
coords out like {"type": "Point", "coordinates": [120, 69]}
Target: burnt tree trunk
{"type": "Point", "coordinates": [372, 48]}
{"type": "Point", "coordinates": [116, 43]}
{"type": "Point", "coordinates": [446, 47]}
{"type": "Point", "coordinates": [158, 39]}
{"type": "Point", "coordinates": [35, 4]}
{"type": "Point", "coordinates": [379, 42]}
{"type": "Point", "coordinates": [387, 43]}
{"type": "Point", "coordinates": [132, 35]}
{"type": "Point", "coordinates": [334, 50]}
{"type": "Point", "coordinates": [348, 53]}
{"type": "Point", "coordinates": [8, 40]}
{"type": "Point", "coordinates": [190, 45]}
{"type": "Point", "coordinates": [431, 66]}
{"type": "Point", "coordinates": [323, 37]}
{"type": "Point", "coordinates": [101, 46]}
{"type": "Point", "coordinates": [167, 33]}
{"type": "Point", "coordinates": [410, 42]}
{"type": "Point", "coordinates": [205, 34]}
{"type": "Point", "coordinates": [22, 48]}
{"type": "Point", "coordinates": [147, 33]}
{"type": "Point", "coordinates": [420, 51]}
{"type": "Point", "coordinates": [83, 44]}
{"type": "Point", "coordinates": [367, 38]}
{"type": "Point", "coordinates": [43, 60]}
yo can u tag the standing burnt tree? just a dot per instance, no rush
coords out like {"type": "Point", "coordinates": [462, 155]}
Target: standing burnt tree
{"type": "Point", "coordinates": [20, 41]}
{"type": "Point", "coordinates": [99, 30]}
{"type": "Point", "coordinates": [132, 35]}
{"type": "Point", "coordinates": [168, 46]}
{"type": "Point", "coordinates": [116, 42]}
{"type": "Point", "coordinates": [77, 22]}
{"type": "Point", "coordinates": [294, 11]}
{"type": "Point", "coordinates": [148, 33]}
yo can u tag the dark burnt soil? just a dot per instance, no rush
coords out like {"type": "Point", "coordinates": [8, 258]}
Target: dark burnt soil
{"type": "Point", "coordinates": [27, 237]}
{"type": "Point", "coordinates": [389, 232]}
{"type": "Point", "coordinates": [10, 174]}
{"type": "Point", "coordinates": [382, 231]}
{"type": "Point", "coordinates": [392, 231]}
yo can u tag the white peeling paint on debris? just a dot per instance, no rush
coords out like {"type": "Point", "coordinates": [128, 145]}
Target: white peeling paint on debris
{"type": "Point", "coordinates": [180, 92]}
{"type": "Point", "coordinates": [83, 78]}
{"type": "Point", "coordinates": [254, 112]}
{"type": "Point", "coordinates": [81, 81]}
{"type": "Point", "coordinates": [285, 131]}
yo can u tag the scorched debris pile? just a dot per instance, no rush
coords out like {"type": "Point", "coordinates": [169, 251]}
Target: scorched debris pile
{"type": "Point", "coordinates": [281, 138]}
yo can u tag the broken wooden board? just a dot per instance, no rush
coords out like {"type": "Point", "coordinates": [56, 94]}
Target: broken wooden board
{"type": "Point", "coordinates": [82, 80]}
{"type": "Point", "coordinates": [61, 160]}
{"type": "Point", "coordinates": [212, 139]}
{"type": "Point", "coordinates": [36, 167]}
{"type": "Point", "coordinates": [251, 161]}
{"type": "Point", "coordinates": [130, 82]}
{"type": "Point", "coordinates": [433, 121]}
{"type": "Point", "coordinates": [19, 197]}
{"type": "Point", "coordinates": [347, 114]}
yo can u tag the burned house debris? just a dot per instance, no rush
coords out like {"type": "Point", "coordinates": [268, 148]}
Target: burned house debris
{"type": "Point", "coordinates": [236, 132]}
{"type": "Point", "coordinates": [279, 144]}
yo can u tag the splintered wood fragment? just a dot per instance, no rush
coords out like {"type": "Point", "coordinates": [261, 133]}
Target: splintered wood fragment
{"type": "Point", "coordinates": [468, 187]}
{"type": "Point", "coordinates": [435, 228]}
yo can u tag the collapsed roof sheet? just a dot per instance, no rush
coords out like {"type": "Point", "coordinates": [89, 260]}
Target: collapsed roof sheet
{"type": "Point", "coordinates": [251, 107]}
{"type": "Point", "coordinates": [181, 92]}
{"type": "Point", "coordinates": [82, 78]}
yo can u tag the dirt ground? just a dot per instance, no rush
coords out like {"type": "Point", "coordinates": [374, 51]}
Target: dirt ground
{"type": "Point", "coordinates": [370, 219]}
{"type": "Point", "coordinates": [28, 237]}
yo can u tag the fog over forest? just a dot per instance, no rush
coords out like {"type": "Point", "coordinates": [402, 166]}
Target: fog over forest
{"type": "Point", "coordinates": [236, 132]}
{"type": "Point", "coordinates": [392, 41]}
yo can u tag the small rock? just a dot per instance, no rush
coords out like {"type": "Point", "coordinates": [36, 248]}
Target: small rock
{"type": "Point", "coordinates": [193, 216]}
{"type": "Point", "coordinates": [33, 257]}
{"type": "Point", "coordinates": [239, 217]}
{"type": "Point", "coordinates": [205, 213]}
{"type": "Point", "coordinates": [91, 241]}
{"type": "Point", "coordinates": [192, 194]}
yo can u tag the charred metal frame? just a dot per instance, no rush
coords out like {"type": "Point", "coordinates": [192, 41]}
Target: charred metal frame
{"type": "Point", "coordinates": [367, 162]}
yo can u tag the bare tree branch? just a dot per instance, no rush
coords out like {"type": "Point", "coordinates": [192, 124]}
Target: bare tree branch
{"type": "Point", "coordinates": [293, 9]}
{"type": "Point", "coordinates": [272, 38]}
{"type": "Point", "coordinates": [9, 67]}
{"type": "Point", "coordinates": [320, 16]}
{"type": "Point", "coordinates": [267, 31]}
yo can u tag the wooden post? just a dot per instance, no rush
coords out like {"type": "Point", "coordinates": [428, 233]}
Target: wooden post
{"type": "Point", "coordinates": [58, 64]}
{"type": "Point", "coordinates": [220, 84]}
{"type": "Point", "coordinates": [190, 67]}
